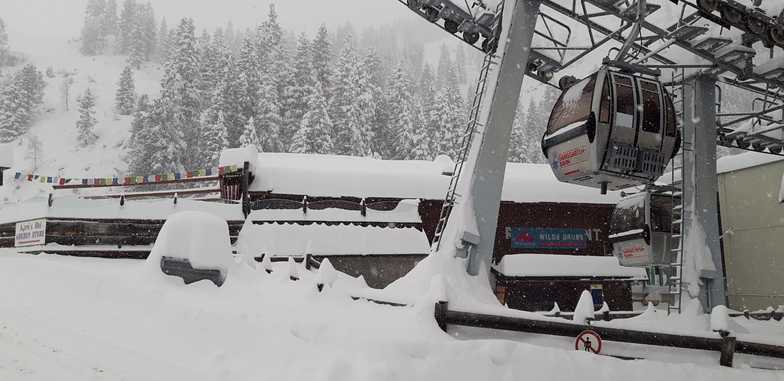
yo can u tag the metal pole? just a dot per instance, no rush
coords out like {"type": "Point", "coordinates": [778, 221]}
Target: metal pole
{"type": "Point", "coordinates": [700, 187]}
{"type": "Point", "coordinates": [493, 151]}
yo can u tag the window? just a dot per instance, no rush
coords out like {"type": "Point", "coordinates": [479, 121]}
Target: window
{"type": "Point", "coordinates": [628, 215]}
{"type": "Point", "coordinates": [573, 106]}
{"type": "Point", "coordinates": [651, 107]}
{"type": "Point", "coordinates": [624, 95]}
{"type": "Point", "coordinates": [606, 102]}
{"type": "Point", "coordinates": [671, 125]}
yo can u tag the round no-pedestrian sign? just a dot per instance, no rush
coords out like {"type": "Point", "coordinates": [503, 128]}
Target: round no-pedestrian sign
{"type": "Point", "coordinates": [588, 341]}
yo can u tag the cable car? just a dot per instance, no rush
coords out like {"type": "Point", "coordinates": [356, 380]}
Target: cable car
{"type": "Point", "coordinates": [611, 130]}
{"type": "Point", "coordinates": [641, 229]}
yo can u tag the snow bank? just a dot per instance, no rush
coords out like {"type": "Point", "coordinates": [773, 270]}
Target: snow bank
{"type": "Point", "coordinates": [584, 309]}
{"type": "Point", "coordinates": [201, 238]}
{"type": "Point", "coordinates": [549, 265]}
{"type": "Point", "coordinates": [293, 239]}
{"type": "Point", "coordinates": [361, 177]}
{"type": "Point", "coordinates": [719, 319]}
{"type": "Point", "coordinates": [108, 324]}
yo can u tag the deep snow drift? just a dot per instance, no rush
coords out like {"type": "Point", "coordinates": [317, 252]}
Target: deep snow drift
{"type": "Point", "coordinates": [75, 319]}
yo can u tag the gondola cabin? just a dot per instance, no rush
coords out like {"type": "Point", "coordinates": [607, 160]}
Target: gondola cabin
{"type": "Point", "coordinates": [641, 230]}
{"type": "Point", "coordinates": [612, 130]}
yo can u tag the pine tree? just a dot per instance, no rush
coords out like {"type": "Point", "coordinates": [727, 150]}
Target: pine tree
{"type": "Point", "coordinates": [86, 123]}
{"type": "Point", "coordinates": [162, 48]}
{"type": "Point", "coordinates": [181, 96]}
{"type": "Point", "coordinates": [125, 97]}
{"type": "Point", "coordinates": [298, 84]}
{"type": "Point", "coordinates": [269, 114]}
{"type": "Point", "coordinates": [148, 27]}
{"type": "Point", "coordinates": [93, 38]}
{"type": "Point", "coordinates": [344, 94]}
{"type": "Point", "coordinates": [155, 148]}
{"type": "Point", "coordinates": [213, 139]}
{"type": "Point", "coordinates": [402, 119]}
{"type": "Point", "coordinates": [249, 136]}
{"type": "Point", "coordinates": [20, 100]}
{"type": "Point", "coordinates": [109, 21]}
{"type": "Point", "coordinates": [5, 51]}
{"type": "Point", "coordinates": [249, 67]}
{"type": "Point", "coordinates": [126, 26]}
{"type": "Point", "coordinates": [431, 114]}
{"type": "Point", "coordinates": [313, 134]}
{"type": "Point", "coordinates": [270, 35]}
{"type": "Point", "coordinates": [322, 58]}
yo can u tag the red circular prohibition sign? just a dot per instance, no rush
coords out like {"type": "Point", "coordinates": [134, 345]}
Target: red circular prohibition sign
{"type": "Point", "coordinates": [588, 341]}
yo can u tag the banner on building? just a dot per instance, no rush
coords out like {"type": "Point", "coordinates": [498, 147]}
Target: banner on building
{"type": "Point", "coordinates": [549, 238]}
{"type": "Point", "coordinates": [30, 233]}
{"type": "Point", "coordinates": [125, 180]}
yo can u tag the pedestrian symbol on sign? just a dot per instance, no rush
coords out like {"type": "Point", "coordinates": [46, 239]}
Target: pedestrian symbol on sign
{"type": "Point", "coordinates": [588, 341]}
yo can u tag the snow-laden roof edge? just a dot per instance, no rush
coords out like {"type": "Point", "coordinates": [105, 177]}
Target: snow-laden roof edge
{"type": "Point", "coordinates": [744, 161]}
{"type": "Point", "coordinates": [363, 177]}
{"type": "Point", "coordinates": [553, 265]}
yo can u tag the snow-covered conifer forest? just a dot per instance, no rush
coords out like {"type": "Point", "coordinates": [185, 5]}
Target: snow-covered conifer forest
{"type": "Point", "coordinates": [166, 94]}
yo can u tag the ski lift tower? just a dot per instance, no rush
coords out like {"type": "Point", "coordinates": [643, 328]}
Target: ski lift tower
{"type": "Point", "coordinates": [474, 193]}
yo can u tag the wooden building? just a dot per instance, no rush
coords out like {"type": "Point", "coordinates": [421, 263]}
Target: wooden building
{"type": "Point", "coordinates": [538, 214]}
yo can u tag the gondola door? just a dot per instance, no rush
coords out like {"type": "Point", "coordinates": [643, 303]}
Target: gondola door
{"type": "Point", "coordinates": [649, 137]}
{"type": "Point", "coordinates": [621, 154]}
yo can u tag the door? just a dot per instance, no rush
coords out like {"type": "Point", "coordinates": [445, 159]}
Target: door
{"type": "Point", "coordinates": [625, 124]}
{"type": "Point", "coordinates": [651, 115]}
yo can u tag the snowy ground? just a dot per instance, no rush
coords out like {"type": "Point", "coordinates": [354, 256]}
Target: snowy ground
{"type": "Point", "coordinates": [78, 319]}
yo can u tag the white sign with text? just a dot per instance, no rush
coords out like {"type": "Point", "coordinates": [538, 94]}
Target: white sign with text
{"type": "Point", "coordinates": [30, 233]}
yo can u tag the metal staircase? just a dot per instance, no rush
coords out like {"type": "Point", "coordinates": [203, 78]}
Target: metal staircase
{"type": "Point", "coordinates": [473, 128]}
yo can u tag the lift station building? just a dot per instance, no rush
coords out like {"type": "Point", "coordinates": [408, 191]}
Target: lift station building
{"type": "Point", "coordinates": [562, 227]}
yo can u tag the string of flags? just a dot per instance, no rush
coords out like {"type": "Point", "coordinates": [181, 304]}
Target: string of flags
{"type": "Point", "coordinates": [126, 180]}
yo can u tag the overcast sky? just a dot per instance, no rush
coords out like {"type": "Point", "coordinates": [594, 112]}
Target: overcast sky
{"type": "Point", "coordinates": [44, 19]}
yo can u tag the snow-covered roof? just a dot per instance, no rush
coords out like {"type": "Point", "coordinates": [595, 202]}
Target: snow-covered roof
{"type": "Point", "coordinates": [72, 207]}
{"type": "Point", "coordinates": [321, 239]}
{"type": "Point", "coordinates": [347, 176]}
{"type": "Point", "coordinates": [407, 211]}
{"type": "Point", "coordinates": [745, 160]}
{"type": "Point", "coordinates": [550, 265]}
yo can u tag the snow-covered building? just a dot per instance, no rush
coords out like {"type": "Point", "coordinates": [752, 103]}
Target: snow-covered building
{"type": "Point", "coordinates": [539, 215]}
{"type": "Point", "coordinates": [752, 224]}
{"type": "Point", "coordinates": [380, 242]}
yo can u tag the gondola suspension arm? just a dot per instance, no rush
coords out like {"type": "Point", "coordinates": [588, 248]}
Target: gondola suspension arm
{"type": "Point", "coordinates": [621, 56]}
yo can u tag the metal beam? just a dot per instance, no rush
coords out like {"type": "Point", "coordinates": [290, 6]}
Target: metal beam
{"type": "Point", "coordinates": [474, 231]}
{"type": "Point", "coordinates": [602, 29]}
{"type": "Point", "coordinates": [700, 189]}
